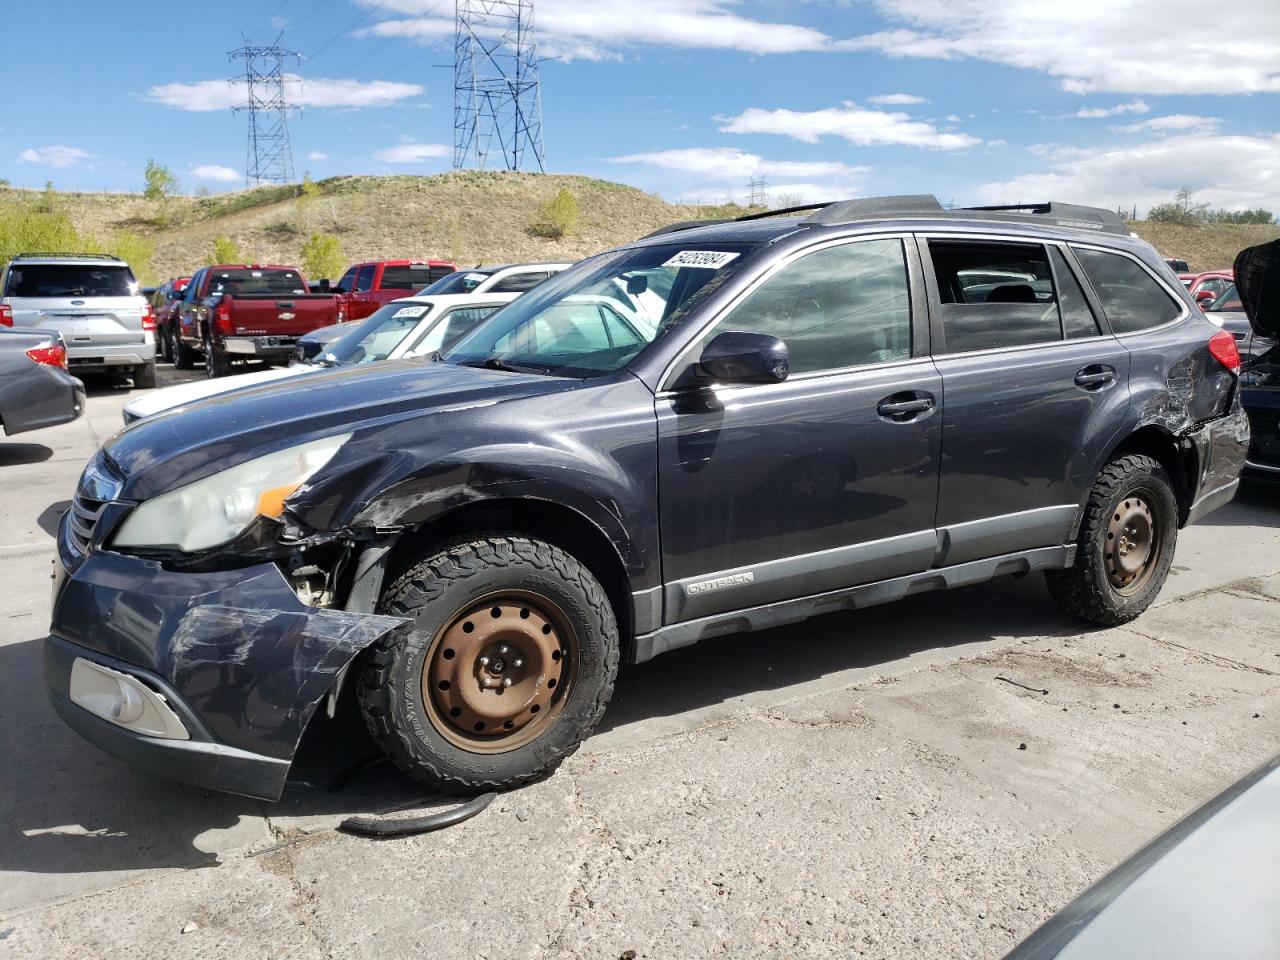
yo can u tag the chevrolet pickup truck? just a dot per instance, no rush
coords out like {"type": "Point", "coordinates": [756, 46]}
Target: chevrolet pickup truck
{"type": "Point", "coordinates": [234, 311]}
{"type": "Point", "coordinates": [367, 286]}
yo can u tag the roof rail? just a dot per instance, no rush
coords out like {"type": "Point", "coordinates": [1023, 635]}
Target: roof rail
{"type": "Point", "coordinates": [682, 225]}
{"type": "Point", "coordinates": [68, 256]}
{"type": "Point", "coordinates": [1064, 215]}
{"type": "Point", "coordinates": [846, 211]}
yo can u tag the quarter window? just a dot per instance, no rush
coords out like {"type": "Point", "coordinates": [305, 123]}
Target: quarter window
{"type": "Point", "coordinates": [994, 295]}
{"type": "Point", "coordinates": [1077, 319]}
{"type": "Point", "coordinates": [842, 306]}
{"type": "Point", "coordinates": [1131, 298]}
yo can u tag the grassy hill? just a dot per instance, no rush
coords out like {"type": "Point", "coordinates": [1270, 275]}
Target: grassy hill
{"type": "Point", "coordinates": [467, 216]}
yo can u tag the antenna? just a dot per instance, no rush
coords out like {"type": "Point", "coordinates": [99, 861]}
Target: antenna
{"type": "Point", "coordinates": [268, 158]}
{"type": "Point", "coordinates": [757, 192]}
{"type": "Point", "coordinates": [497, 104]}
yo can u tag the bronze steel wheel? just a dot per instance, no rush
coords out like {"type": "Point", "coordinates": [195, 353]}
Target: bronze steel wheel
{"type": "Point", "coordinates": [1133, 544]}
{"type": "Point", "coordinates": [508, 665]}
{"type": "Point", "coordinates": [500, 672]}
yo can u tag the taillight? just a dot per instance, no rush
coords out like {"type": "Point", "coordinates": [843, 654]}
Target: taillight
{"type": "Point", "coordinates": [148, 318]}
{"type": "Point", "coordinates": [1223, 347]}
{"type": "Point", "coordinates": [54, 356]}
{"type": "Point", "coordinates": [222, 317]}
{"type": "Point", "coordinates": [6, 315]}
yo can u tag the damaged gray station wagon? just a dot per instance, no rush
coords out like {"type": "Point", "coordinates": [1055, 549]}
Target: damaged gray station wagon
{"type": "Point", "coordinates": [721, 427]}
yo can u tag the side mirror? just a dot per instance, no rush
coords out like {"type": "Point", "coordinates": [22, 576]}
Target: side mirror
{"type": "Point", "coordinates": [745, 358]}
{"type": "Point", "coordinates": [1205, 297]}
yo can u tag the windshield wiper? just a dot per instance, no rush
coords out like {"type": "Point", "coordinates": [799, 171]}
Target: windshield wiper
{"type": "Point", "coordinates": [497, 363]}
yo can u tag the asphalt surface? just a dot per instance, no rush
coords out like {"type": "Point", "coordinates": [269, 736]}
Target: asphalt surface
{"type": "Point", "coordinates": [928, 779]}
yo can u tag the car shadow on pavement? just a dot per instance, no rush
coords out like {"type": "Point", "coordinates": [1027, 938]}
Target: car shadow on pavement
{"type": "Point", "coordinates": [720, 669]}
{"type": "Point", "coordinates": [1255, 504]}
{"type": "Point", "coordinates": [15, 454]}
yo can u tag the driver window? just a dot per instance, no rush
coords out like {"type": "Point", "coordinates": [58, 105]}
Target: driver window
{"type": "Point", "coordinates": [842, 306]}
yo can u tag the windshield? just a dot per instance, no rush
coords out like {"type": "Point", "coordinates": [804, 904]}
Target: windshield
{"type": "Point", "coordinates": [247, 283]}
{"type": "Point", "coordinates": [596, 317]}
{"type": "Point", "coordinates": [463, 281]}
{"type": "Point", "coordinates": [377, 336]}
{"type": "Point", "coordinates": [70, 280]}
{"type": "Point", "coordinates": [1227, 300]}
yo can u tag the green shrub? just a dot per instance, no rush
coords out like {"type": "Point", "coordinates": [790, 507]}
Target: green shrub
{"type": "Point", "coordinates": [322, 257]}
{"type": "Point", "coordinates": [160, 182]}
{"type": "Point", "coordinates": [558, 217]}
{"type": "Point", "coordinates": [225, 250]}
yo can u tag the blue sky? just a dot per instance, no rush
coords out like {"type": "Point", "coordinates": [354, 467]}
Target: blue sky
{"type": "Point", "coordinates": [1113, 103]}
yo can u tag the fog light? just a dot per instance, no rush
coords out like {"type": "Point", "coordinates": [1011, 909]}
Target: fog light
{"type": "Point", "coordinates": [124, 701]}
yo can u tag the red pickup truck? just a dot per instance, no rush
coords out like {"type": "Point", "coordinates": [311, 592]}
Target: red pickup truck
{"type": "Point", "coordinates": [367, 286]}
{"type": "Point", "coordinates": [239, 311]}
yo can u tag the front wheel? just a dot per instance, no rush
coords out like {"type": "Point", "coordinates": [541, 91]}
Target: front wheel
{"type": "Point", "coordinates": [1125, 547]}
{"type": "Point", "coordinates": [508, 668]}
{"type": "Point", "coordinates": [184, 357]}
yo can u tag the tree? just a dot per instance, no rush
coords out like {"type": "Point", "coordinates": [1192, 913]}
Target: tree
{"type": "Point", "coordinates": [558, 217]}
{"type": "Point", "coordinates": [322, 256]}
{"type": "Point", "coordinates": [225, 251]}
{"type": "Point", "coordinates": [160, 182]}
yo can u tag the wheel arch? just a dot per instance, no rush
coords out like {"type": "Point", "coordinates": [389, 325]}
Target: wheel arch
{"type": "Point", "coordinates": [1178, 458]}
{"type": "Point", "coordinates": [555, 523]}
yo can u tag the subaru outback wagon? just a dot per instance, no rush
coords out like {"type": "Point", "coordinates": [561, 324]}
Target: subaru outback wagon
{"type": "Point", "coordinates": [814, 413]}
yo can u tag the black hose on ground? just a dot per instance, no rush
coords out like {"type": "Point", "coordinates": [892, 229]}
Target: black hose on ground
{"type": "Point", "coordinates": [400, 827]}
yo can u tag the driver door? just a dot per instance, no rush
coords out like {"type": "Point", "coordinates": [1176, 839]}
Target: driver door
{"type": "Point", "coordinates": [776, 491]}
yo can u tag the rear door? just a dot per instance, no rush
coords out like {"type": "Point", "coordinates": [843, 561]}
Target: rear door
{"type": "Point", "coordinates": [1036, 393]}
{"type": "Point", "coordinates": [829, 479]}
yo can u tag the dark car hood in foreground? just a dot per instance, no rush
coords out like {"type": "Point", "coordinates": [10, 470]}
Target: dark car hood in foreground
{"type": "Point", "coordinates": [1207, 887]}
{"type": "Point", "coordinates": [190, 442]}
{"type": "Point", "coordinates": [1257, 271]}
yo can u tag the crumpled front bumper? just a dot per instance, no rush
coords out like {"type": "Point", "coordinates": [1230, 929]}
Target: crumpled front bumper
{"type": "Point", "coordinates": [238, 658]}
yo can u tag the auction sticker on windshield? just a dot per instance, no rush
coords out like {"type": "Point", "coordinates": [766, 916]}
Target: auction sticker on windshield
{"type": "Point", "coordinates": [708, 259]}
{"type": "Point", "coordinates": [408, 312]}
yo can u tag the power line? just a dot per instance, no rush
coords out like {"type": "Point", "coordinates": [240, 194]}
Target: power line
{"type": "Point", "coordinates": [268, 157]}
{"type": "Point", "coordinates": [497, 101]}
{"type": "Point", "coordinates": [356, 61]}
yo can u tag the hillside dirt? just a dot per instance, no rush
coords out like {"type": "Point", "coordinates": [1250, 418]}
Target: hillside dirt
{"type": "Point", "coordinates": [468, 217]}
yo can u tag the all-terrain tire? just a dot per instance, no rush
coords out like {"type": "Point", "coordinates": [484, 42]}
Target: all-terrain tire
{"type": "Point", "coordinates": [1086, 589]}
{"type": "Point", "coordinates": [435, 593]}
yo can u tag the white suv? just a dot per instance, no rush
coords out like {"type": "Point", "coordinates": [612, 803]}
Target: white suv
{"type": "Point", "coordinates": [93, 301]}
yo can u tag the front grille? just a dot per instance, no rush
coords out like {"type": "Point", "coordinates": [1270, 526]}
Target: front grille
{"type": "Point", "coordinates": [82, 520]}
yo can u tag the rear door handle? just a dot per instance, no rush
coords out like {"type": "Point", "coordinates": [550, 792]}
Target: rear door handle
{"type": "Point", "coordinates": [1095, 375]}
{"type": "Point", "coordinates": [902, 407]}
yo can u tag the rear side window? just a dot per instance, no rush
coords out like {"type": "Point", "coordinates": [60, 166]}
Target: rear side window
{"type": "Point", "coordinates": [1077, 319]}
{"type": "Point", "coordinates": [70, 280]}
{"type": "Point", "coordinates": [413, 276]}
{"type": "Point", "coordinates": [994, 295]}
{"type": "Point", "coordinates": [364, 279]}
{"type": "Point", "coordinates": [842, 306]}
{"type": "Point", "coordinates": [1131, 298]}
{"type": "Point", "coordinates": [519, 282]}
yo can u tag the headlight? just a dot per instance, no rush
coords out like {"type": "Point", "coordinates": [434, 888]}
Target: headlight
{"type": "Point", "coordinates": [214, 510]}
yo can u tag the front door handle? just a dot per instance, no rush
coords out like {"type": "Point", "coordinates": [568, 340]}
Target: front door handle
{"type": "Point", "coordinates": [902, 407]}
{"type": "Point", "coordinates": [1095, 375]}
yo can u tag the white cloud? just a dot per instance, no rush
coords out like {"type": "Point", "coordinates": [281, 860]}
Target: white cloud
{"type": "Point", "coordinates": [216, 172]}
{"type": "Point", "coordinates": [56, 156]}
{"type": "Point", "coordinates": [1174, 123]}
{"type": "Point", "coordinates": [571, 29]}
{"type": "Point", "coordinates": [317, 155]}
{"type": "Point", "coordinates": [1122, 46]}
{"type": "Point", "coordinates": [896, 99]}
{"type": "Point", "coordinates": [1224, 171]}
{"type": "Point", "coordinates": [725, 170]}
{"type": "Point", "coordinates": [856, 124]}
{"type": "Point", "coordinates": [203, 96]}
{"type": "Point", "coordinates": [1133, 106]}
{"type": "Point", "coordinates": [413, 152]}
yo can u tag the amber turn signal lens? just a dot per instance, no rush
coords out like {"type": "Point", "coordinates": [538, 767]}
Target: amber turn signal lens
{"type": "Point", "coordinates": [271, 502]}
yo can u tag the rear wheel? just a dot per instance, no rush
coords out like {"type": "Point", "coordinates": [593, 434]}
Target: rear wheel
{"type": "Point", "coordinates": [216, 363]}
{"type": "Point", "coordinates": [184, 358]}
{"type": "Point", "coordinates": [1126, 544]}
{"type": "Point", "coordinates": [144, 376]}
{"type": "Point", "coordinates": [508, 669]}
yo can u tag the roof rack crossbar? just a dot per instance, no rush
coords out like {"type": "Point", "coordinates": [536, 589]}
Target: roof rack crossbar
{"type": "Point", "coordinates": [68, 256]}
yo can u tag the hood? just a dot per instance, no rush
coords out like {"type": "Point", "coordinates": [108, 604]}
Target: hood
{"type": "Point", "coordinates": [183, 445]}
{"type": "Point", "coordinates": [155, 401]}
{"type": "Point", "coordinates": [1257, 272]}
